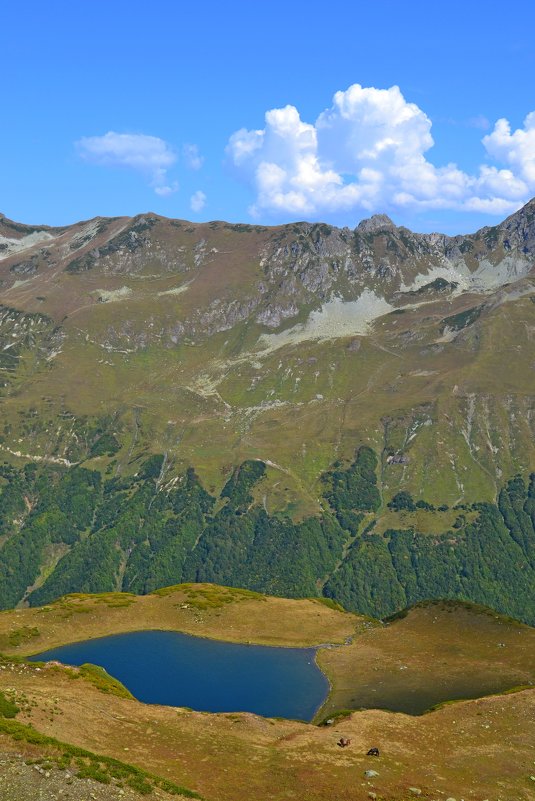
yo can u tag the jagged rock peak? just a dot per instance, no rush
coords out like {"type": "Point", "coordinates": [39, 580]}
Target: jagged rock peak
{"type": "Point", "coordinates": [379, 222]}
{"type": "Point", "coordinates": [526, 214]}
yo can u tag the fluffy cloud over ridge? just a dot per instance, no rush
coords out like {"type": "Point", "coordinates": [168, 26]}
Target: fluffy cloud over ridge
{"type": "Point", "coordinates": [149, 155]}
{"type": "Point", "coordinates": [516, 149]}
{"type": "Point", "coordinates": [368, 152]}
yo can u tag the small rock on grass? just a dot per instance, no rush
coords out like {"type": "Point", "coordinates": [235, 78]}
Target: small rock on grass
{"type": "Point", "coordinates": [415, 791]}
{"type": "Point", "coordinates": [370, 774]}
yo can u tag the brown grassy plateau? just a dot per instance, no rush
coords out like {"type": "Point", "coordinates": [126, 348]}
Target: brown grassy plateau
{"type": "Point", "coordinates": [475, 749]}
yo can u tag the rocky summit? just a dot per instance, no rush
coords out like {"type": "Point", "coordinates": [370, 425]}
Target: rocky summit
{"type": "Point", "coordinates": [199, 401]}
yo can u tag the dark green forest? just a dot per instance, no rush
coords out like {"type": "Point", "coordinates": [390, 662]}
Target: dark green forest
{"type": "Point", "coordinates": [73, 530]}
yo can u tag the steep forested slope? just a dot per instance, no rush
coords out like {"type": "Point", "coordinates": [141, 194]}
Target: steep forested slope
{"type": "Point", "coordinates": [68, 530]}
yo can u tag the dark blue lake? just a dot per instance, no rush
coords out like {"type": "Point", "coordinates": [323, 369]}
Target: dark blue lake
{"type": "Point", "coordinates": [165, 667]}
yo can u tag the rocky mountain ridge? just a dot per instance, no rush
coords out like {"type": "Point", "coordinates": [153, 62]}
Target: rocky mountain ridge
{"type": "Point", "coordinates": [298, 265]}
{"type": "Point", "coordinates": [200, 340]}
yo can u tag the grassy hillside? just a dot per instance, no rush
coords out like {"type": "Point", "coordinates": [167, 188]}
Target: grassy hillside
{"type": "Point", "coordinates": [205, 610]}
{"type": "Point", "coordinates": [295, 344]}
{"type": "Point", "coordinates": [433, 653]}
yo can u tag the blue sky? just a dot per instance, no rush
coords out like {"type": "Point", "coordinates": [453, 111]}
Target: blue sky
{"type": "Point", "coordinates": [114, 108]}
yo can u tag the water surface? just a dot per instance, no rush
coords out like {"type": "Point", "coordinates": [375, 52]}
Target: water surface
{"type": "Point", "coordinates": [165, 667]}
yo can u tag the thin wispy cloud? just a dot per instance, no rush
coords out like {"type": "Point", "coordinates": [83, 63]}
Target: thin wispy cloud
{"type": "Point", "coordinates": [479, 121]}
{"type": "Point", "coordinates": [368, 152]}
{"type": "Point", "coordinates": [197, 201]}
{"type": "Point", "coordinates": [148, 155]}
{"type": "Point", "coordinates": [192, 157]}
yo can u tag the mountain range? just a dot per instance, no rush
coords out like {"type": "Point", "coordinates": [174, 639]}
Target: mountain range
{"type": "Point", "coordinates": [299, 409]}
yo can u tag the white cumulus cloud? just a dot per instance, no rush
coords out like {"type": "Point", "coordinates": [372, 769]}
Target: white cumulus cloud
{"type": "Point", "coordinates": [368, 152]}
{"type": "Point", "coordinates": [197, 201]}
{"type": "Point", "coordinates": [149, 155]}
{"type": "Point", "coordinates": [516, 149]}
